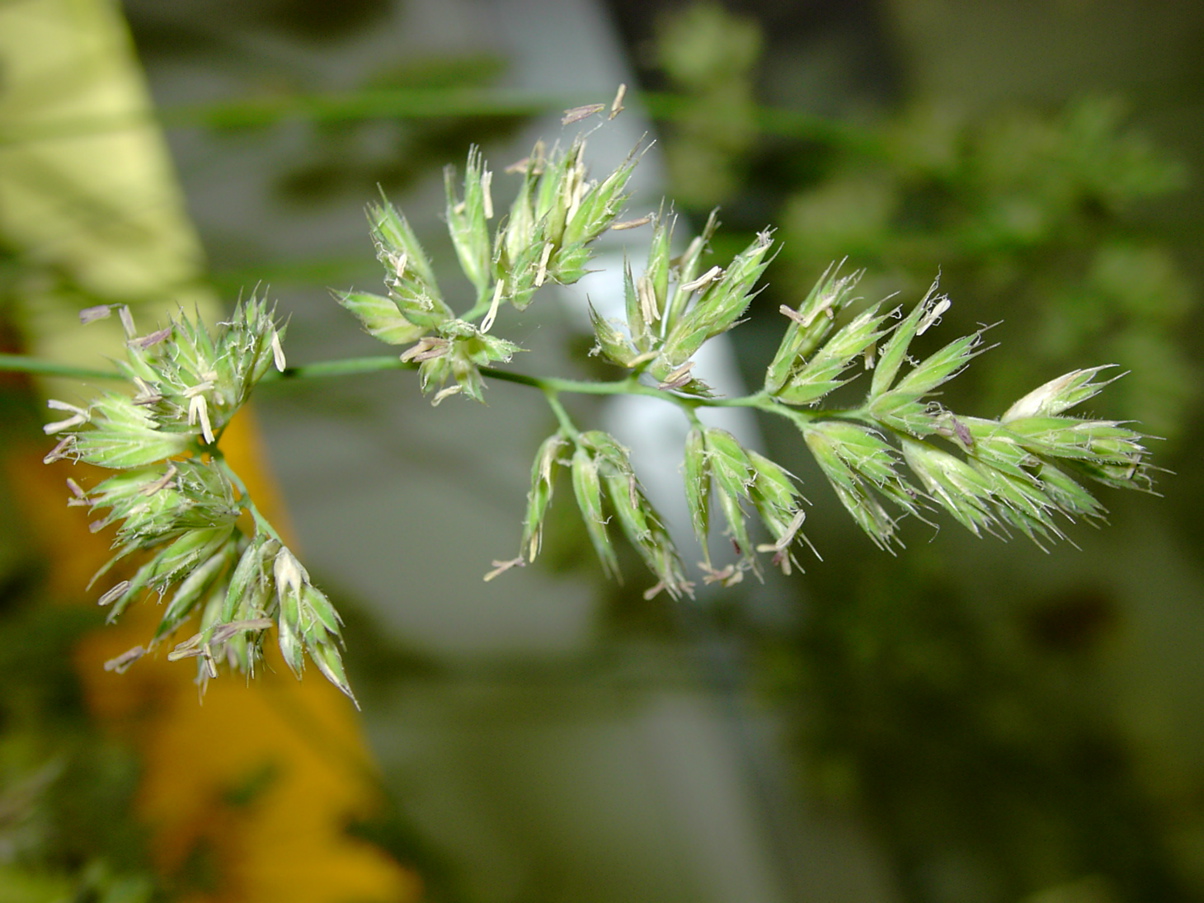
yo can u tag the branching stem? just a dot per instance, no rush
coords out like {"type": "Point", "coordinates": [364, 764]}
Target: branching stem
{"type": "Point", "coordinates": [245, 499]}
{"type": "Point", "coordinates": [550, 386]}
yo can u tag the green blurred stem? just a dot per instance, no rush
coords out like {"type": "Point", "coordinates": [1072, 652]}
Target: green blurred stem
{"type": "Point", "coordinates": [20, 363]}
{"type": "Point", "coordinates": [415, 104]}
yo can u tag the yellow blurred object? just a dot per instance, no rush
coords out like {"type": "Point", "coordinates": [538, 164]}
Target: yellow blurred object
{"type": "Point", "coordinates": [250, 788]}
{"type": "Point", "coordinates": [251, 785]}
{"type": "Point", "coordinates": [88, 199]}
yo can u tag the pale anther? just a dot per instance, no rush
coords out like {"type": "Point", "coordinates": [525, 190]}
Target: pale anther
{"type": "Point", "coordinates": [711, 275]}
{"type": "Point", "coordinates": [500, 567]}
{"type": "Point", "coordinates": [647, 296]}
{"type": "Point", "coordinates": [121, 663]}
{"type": "Point", "coordinates": [576, 114]}
{"type": "Point", "coordinates": [678, 377]}
{"type": "Point", "coordinates": [616, 105]}
{"type": "Point", "coordinates": [486, 182]}
{"type": "Point", "coordinates": [498, 289]}
{"type": "Point", "coordinates": [99, 312]}
{"type": "Point", "coordinates": [933, 316]}
{"type": "Point", "coordinates": [114, 593]}
{"type": "Point", "coordinates": [154, 338]}
{"type": "Point", "coordinates": [60, 450]}
{"type": "Point", "coordinates": [542, 273]}
{"type": "Point", "coordinates": [632, 223]}
{"type": "Point", "coordinates": [198, 411]}
{"type": "Point", "coordinates": [127, 321]}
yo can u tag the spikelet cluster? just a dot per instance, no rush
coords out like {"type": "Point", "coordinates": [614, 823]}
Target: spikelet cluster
{"type": "Point", "coordinates": [179, 510]}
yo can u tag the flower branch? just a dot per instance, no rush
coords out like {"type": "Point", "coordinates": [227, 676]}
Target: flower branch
{"type": "Point", "coordinates": [899, 452]}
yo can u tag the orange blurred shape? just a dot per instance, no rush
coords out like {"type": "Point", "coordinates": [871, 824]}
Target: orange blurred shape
{"type": "Point", "coordinates": [246, 791]}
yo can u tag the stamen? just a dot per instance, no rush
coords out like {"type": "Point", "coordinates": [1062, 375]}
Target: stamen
{"type": "Point", "coordinates": [793, 314]}
{"type": "Point", "coordinates": [498, 289]}
{"type": "Point", "coordinates": [446, 393]}
{"type": "Point", "coordinates": [226, 631]}
{"type": "Point", "coordinates": [114, 593]}
{"type": "Point", "coordinates": [542, 273]}
{"type": "Point", "coordinates": [399, 265]}
{"type": "Point", "coordinates": [99, 312]}
{"type": "Point", "coordinates": [121, 663]}
{"type": "Point", "coordinates": [500, 567]}
{"type": "Point", "coordinates": [711, 275]}
{"type": "Point", "coordinates": [486, 182]}
{"type": "Point", "coordinates": [153, 339]}
{"type": "Point", "coordinates": [934, 314]}
{"type": "Point", "coordinates": [519, 166]}
{"type": "Point", "coordinates": [290, 575]}
{"type": "Point", "coordinates": [59, 451]}
{"type": "Point", "coordinates": [278, 352]}
{"type": "Point", "coordinates": [147, 394]}
{"type": "Point", "coordinates": [616, 105]}
{"type": "Point", "coordinates": [576, 114]}
{"type": "Point", "coordinates": [647, 296]}
{"type": "Point", "coordinates": [162, 482]}
{"type": "Point", "coordinates": [678, 377]}
{"type": "Point", "coordinates": [425, 349]}
{"type": "Point", "coordinates": [78, 417]}
{"type": "Point", "coordinates": [127, 321]}
{"type": "Point", "coordinates": [198, 410]}
{"type": "Point", "coordinates": [632, 223]}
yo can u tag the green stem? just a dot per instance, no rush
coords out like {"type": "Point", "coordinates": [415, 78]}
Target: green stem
{"type": "Point", "coordinates": [550, 386]}
{"type": "Point", "coordinates": [21, 363]}
{"type": "Point", "coordinates": [345, 367]}
{"type": "Point", "coordinates": [562, 416]}
{"type": "Point", "coordinates": [246, 500]}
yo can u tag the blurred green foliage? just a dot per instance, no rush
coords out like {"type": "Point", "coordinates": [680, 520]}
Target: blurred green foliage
{"type": "Point", "coordinates": [709, 55]}
{"type": "Point", "coordinates": [390, 153]}
{"type": "Point", "coordinates": [970, 723]}
{"type": "Point", "coordinates": [976, 742]}
{"type": "Point", "coordinates": [1042, 216]}
{"type": "Point", "coordinates": [1034, 215]}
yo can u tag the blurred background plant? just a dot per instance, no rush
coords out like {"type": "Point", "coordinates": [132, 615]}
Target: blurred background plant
{"type": "Point", "coordinates": [976, 712]}
{"type": "Point", "coordinates": [970, 720]}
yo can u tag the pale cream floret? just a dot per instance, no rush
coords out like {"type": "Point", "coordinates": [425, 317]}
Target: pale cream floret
{"type": "Point", "coordinates": [78, 417]}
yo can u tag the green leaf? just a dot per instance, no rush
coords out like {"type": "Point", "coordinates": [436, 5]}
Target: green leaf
{"type": "Point", "coordinates": [698, 487]}
{"type": "Point", "coordinates": [380, 317]}
{"type": "Point", "coordinates": [1058, 395]}
{"type": "Point", "coordinates": [860, 465]}
{"type": "Point", "coordinates": [941, 366]}
{"type": "Point", "coordinates": [587, 486]}
{"type": "Point", "coordinates": [398, 249]}
{"type": "Point", "coordinates": [809, 325]}
{"type": "Point", "coordinates": [894, 352]}
{"type": "Point", "coordinates": [811, 380]}
{"type": "Point", "coordinates": [467, 221]}
{"type": "Point", "coordinates": [543, 479]}
{"type": "Point", "coordinates": [719, 305]}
